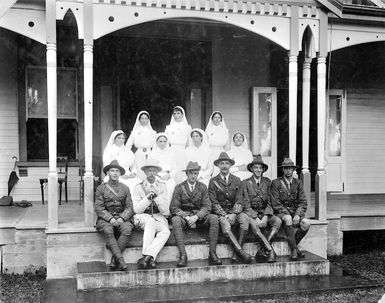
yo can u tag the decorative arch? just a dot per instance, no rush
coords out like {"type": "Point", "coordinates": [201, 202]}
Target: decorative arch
{"type": "Point", "coordinates": [309, 29]}
{"type": "Point", "coordinates": [106, 21]}
{"type": "Point", "coordinates": [341, 36]}
{"type": "Point", "coordinates": [308, 43]}
{"type": "Point", "coordinates": [62, 8]}
{"type": "Point", "coordinates": [29, 23]}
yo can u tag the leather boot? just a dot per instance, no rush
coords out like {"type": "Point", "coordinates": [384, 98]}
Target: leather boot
{"type": "Point", "coordinates": [182, 262]}
{"type": "Point", "coordinates": [271, 256]}
{"type": "Point", "coordinates": [241, 240]}
{"type": "Point", "coordinates": [299, 235]}
{"type": "Point", "coordinates": [213, 259]}
{"type": "Point", "coordinates": [122, 266]}
{"type": "Point", "coordinates": [151, 263]}
{"type": "Point", "coordinates": [143, 262]}
{"type": "Point", "coordinates": [113, 265]}
{"type": "Point", "coordinates": [238, 249]}
{"type": "Point", "coordinates": [272, 234]}
{"type": "Point", "coordinates": [289, 230]}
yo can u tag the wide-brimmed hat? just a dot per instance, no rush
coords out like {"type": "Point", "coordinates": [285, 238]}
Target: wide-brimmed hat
{"type": "Point", "coordinates": [257, 160]}
{"type": "Point", "coordinates": [287, 162]}
{"type": "Point", "coordinates": [224, 157]}
{"type": "Point", "coordinates": [114, 164]}
{"type": "Point", "coordinates": [151, 163]}
{"type": "Point", "coordinates": [192, 166]}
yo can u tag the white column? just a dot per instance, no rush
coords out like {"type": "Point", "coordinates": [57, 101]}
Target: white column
{"type": "Point", "coordinates": [321, 185]}
{"type": "Point", "coordinates": [52, 136]}
{"type": "Point", "coordinates": [88, 119]}
{"type": "Point", "coordinates": [305, 174]}
{"type": "Point", "coordinates": [305, 113]}
{"type": "Point", "coordinates": [293, 82]}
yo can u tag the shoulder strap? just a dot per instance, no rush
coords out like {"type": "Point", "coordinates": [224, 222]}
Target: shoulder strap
{"type": "Point", "coordinates": [184, 190]}
{"type": "Point", "coordinates": [217, 185]}
{"type": "Point", "coordinates": [112, 190]}
{"type": "Point", "coordinates": [284, 186]}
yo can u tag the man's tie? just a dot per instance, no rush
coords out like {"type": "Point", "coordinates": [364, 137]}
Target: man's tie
{"type": "Point", "coordinates": [192, 188]}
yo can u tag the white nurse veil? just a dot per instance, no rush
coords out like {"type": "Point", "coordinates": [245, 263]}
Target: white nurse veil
{"type": "Point", "coordinates": [184, 119]}
{"type": "Point", "coordinates": [112, 139]}
{"type": "Point", "coordinates": [205, 140]}
{"type": "Point", "coordinates": [210, 124]}
{"type": "Point", "coordinates": [244, 143]}
{"type": "Point", "coordinates": [137, 122]}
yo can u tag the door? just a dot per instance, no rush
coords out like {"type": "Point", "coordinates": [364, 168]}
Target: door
{"type": "Point", "coordinates": [264, 127]}
{"type": "Point", "coordinates": [335, 140]}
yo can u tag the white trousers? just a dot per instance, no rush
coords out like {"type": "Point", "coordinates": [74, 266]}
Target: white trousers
{"type": "Point", "coordinates": [156, 233]}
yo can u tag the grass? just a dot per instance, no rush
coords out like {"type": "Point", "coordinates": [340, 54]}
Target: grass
{"type": "Point", "coordinates": [30, 286]}
{"type": "Point", "coordinates": [25, 288]}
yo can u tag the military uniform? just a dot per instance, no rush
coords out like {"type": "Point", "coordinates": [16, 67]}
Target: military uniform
{"type": "Point", "coordinates": [256, 204]}
{"type": "Point", "coordinates": [108, 206]}
{"type": "Point", "coordinates": [223, 196]}
{"type": "Point", "coordinates": [151, 215]}
{"type": "Point", "coordinates": [288, 199]}
{"type": "Point", "coordinates": [188, 203]}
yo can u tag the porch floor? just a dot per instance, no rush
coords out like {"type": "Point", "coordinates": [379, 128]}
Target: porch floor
{"type": "Point", "coordinates": [71, 214]}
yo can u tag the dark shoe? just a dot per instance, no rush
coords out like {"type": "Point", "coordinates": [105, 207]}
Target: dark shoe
{"type": "Point", "coordinates": [235, 258]}
{"type": "Point", "coordinates": [143, 262]}
{"type": "Point", "coordinates": [300, 254]}
{"type": "Point", "coordinates": [151, 263]}
{"type": "Point", "coordinates": [213, 259]}
{"type": "Point", "coordinates": [122, 266]}
{"type": "Point", "coordinates": [294, 254]}
{"type": "Point", "coordinates": [272, 257]}
{"type": "Point", "coordinates": [113, 265]}
{"type": "Point", "coordinates": [246, 258]}
{"type": "Point", "coordinates": [182, 262]}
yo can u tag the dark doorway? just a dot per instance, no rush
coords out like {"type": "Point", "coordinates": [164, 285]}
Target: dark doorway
{"type": "Point", "coordinates": [153, 74]}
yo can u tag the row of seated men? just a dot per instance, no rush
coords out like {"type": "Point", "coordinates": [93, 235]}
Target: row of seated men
{"type": "Point", "coordinates": [256, 203]}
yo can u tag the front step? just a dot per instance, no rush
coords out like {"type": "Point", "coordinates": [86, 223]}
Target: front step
{"type": "Point", "coordinates": [96, 275]}
{"type": "Point", "coordinates": [198, 251]}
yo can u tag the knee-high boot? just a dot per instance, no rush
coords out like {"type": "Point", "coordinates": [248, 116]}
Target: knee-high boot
{"type": "Point", "coordinates": [238, 249]}
{"type": "Point", "coordinates": [271, 256]}
{"type": "Point", "coordinates": [300, 234]}
{"type": "Point", "coordinates": [272, 234]}
{"type": "Point", "coordinates": [289, 230]}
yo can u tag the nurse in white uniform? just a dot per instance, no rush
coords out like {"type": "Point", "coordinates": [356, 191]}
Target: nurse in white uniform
{"type": "Point", "coordinates": [199, 151]}
{"type": "Point", "coordinates": [166, 159]}
{"type": "Point", "coordinates": [143, 138]}
{"type": "Point", "coordinates": [116, 150]}
{"type": "Point", "coordinates": [218, 136]}
{"type": "Point", "coordinates": [241, 154]}
{"type": "Point", "coordinates": [178, 132]}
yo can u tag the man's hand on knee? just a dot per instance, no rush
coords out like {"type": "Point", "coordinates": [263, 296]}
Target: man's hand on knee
{"type": "Point", "coordinates": [120, 221]}
{"type": "Point", "coordinates": [114, 222]}
{"type": "Point", "coordinates": [231, 218]}
{"type": "Point", "coordinates": [296, 220]}
{"type": "Point", "coordinates": [263, 223]}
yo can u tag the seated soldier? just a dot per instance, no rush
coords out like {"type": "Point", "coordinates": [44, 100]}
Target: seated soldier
{"type": "Point", "coordinates": [224, 191]}
{"type": "Point", "coordinates": [151, 206]}
{"type": "Point", "coordinates": [190, 205]}
{"type": "Point", "coordinates": [289, 203]}
{"type": "Point", "coordinates": [257, 212]}
{"type": "Point", "coordinates": [113, 207]}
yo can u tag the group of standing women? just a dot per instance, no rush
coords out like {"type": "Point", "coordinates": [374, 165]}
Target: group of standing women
{"type": "Point", "coordinates": [175, 147]}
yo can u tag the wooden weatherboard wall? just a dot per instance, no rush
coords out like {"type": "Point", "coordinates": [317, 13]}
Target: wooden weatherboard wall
{"type": "Point", "coordinates": [9, 133]}
{"type": "Point", "coordinates": [365, 142]}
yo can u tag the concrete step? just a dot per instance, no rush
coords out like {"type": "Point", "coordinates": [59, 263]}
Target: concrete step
{"type": "Point", "coordinates": [96, 275]}
{"type": "Point", "coordinates": [198, 251]}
